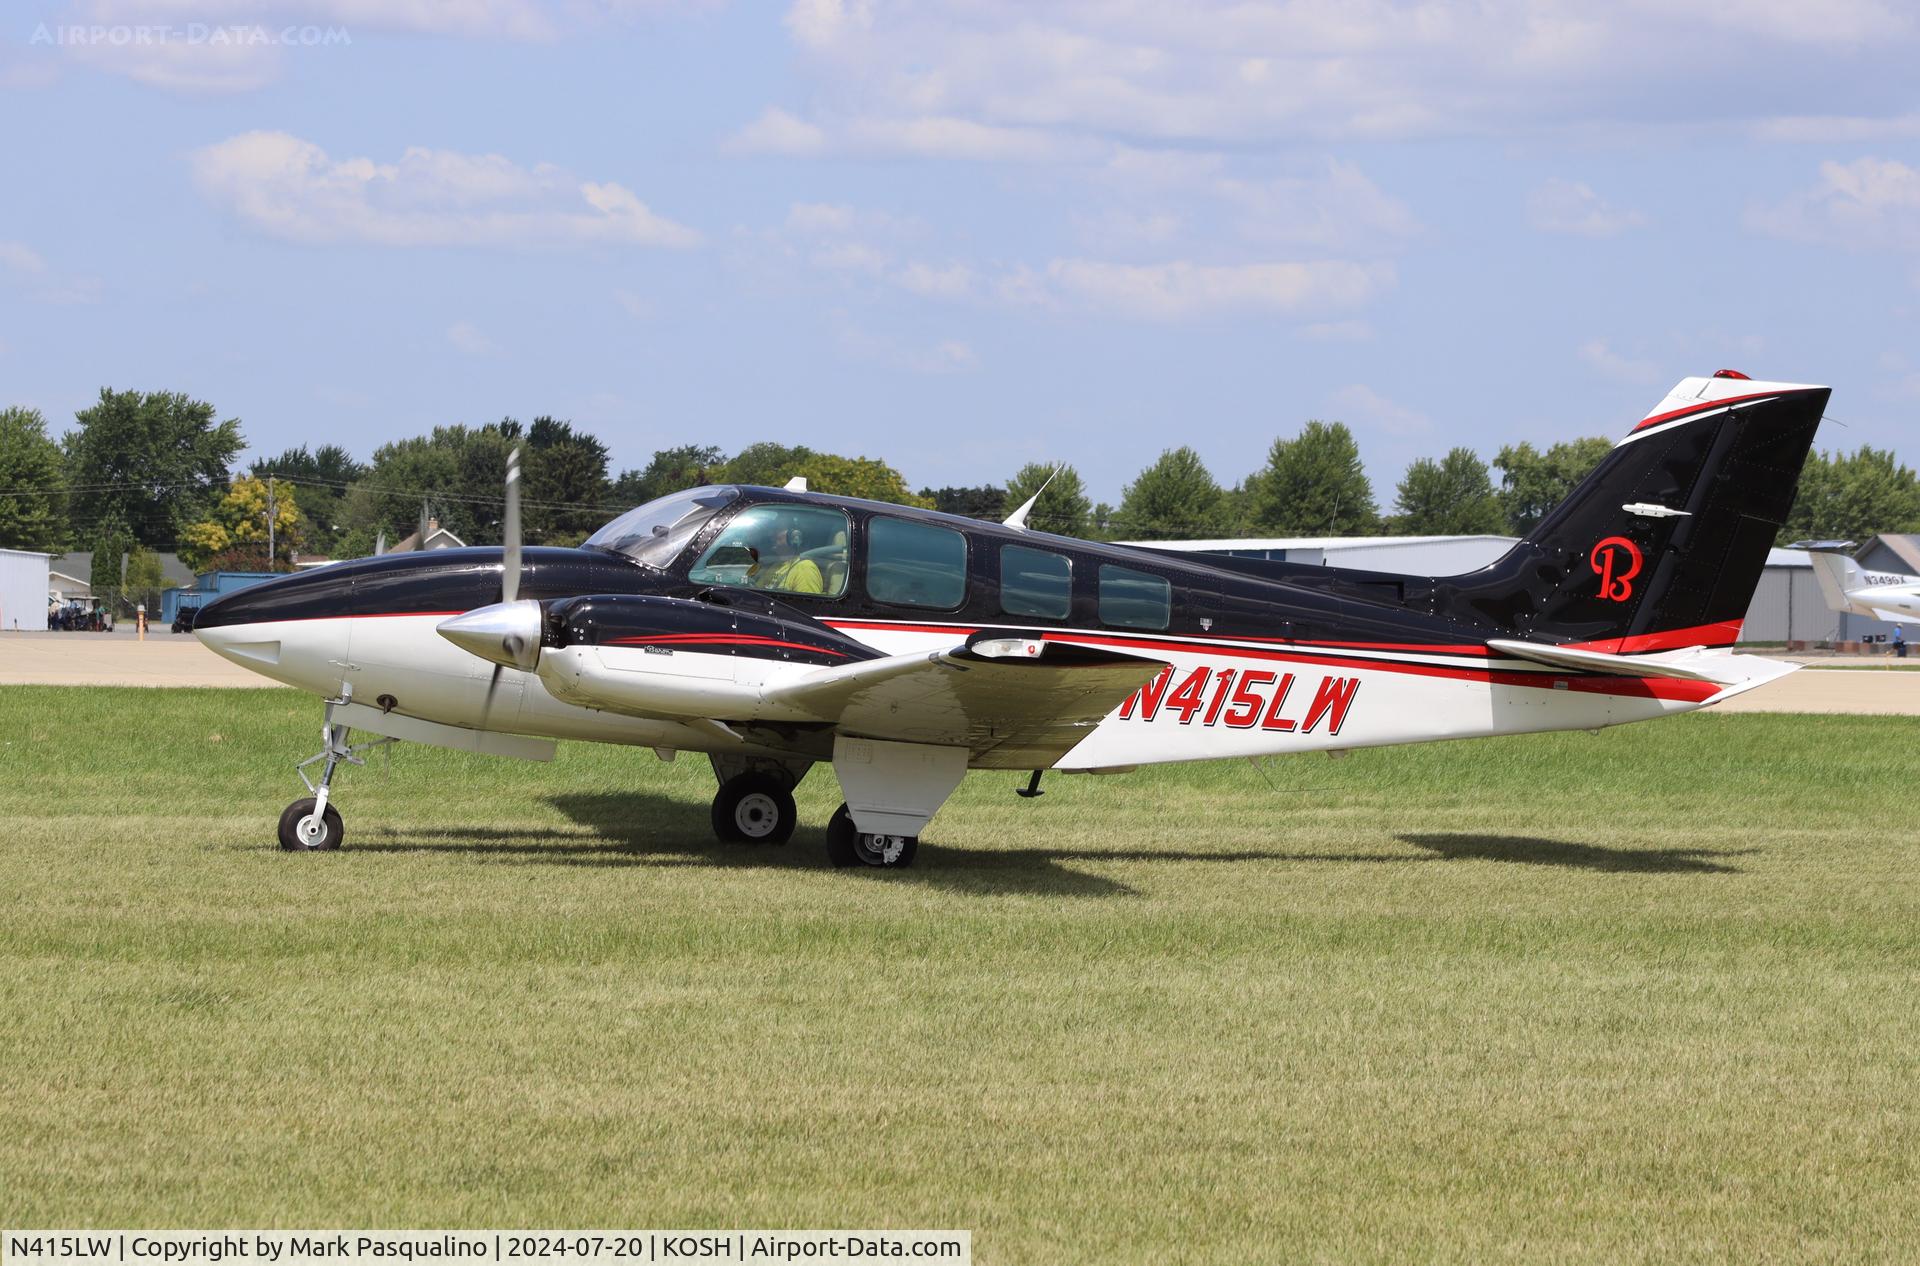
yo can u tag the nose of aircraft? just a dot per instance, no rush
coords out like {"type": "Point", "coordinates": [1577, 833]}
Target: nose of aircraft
{"type": "Point", "coordinates": [506, 633]}
{"type": "Point", "coordinates": [287, 629]}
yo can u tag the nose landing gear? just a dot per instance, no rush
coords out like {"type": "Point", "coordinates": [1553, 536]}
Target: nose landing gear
{"type": "Point", "coordinates": [310, 824]}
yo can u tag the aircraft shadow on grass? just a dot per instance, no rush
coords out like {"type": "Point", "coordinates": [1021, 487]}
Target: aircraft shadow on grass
{"type": "Point", "coordinates": [1531, 851]}
{"type": "Point", "coordinates": [640, 829]}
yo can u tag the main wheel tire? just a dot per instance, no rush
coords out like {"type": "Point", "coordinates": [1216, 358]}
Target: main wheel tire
{"type": "Point", "coordinates": [847, 846]}
{"type": "Point", "coordinates": [753, 809]}
{"type": "Point", "coordinates": [301, 812]}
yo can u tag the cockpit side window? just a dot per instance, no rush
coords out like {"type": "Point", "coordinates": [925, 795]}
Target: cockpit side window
{"type": "Point", "coordinates": [782, 548]}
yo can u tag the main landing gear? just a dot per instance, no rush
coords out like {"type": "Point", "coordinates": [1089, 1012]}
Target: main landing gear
{"type": "Point", "coordinates": [310, 824]}
{"type": "Point", "coordinates": [890, 780]}
{"type": "Point", "coordinates": [755, 802]}
{"type": "Point", "coordinates": [847, 846]}
{"type": "Point", "coordinates": [753, 808]}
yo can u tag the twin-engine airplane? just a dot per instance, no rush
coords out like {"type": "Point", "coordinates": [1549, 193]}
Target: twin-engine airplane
{"type": "Point", "coordinates": [775, 629]}
{"type": "Point", "coordinates": [1849, 587]}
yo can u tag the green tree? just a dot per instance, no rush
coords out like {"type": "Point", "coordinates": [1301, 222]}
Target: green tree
{"type": "Point", "coordinates": [864, 477]}
{"type": "Point", "coordinates": [238, 527]}
{"type": "Point", "coordinates": [1532, 482]}
{"type": "Point", "coordinates": [766, 465]}
{"type": "Point", "coordinates": [1313, 485]}
{"type": "Point", "coordinates": [671, 470]}
{"type": "Point", "coordinates": [1175, 499]}
{"type": "Point", "coordinates": [1844, 497]}
{"type": "Point", "coordinates": [111, 540]}
{"type": "Point", "coordinates": [33, 496]}
{"type": "Point", "coordinates": [325, 475]}
{"type": "Point", "coordinates": [456, 474]}
{"type": "Point", "coordinates": [1449, 497]}
{"type": "Point", "coordinates": [143, 580]}
{"type": "Point", "coordinates": [985, 502]}
{"type": "Point", "coordinates": [151, 461]}
{"type": "Point", "coordinates": [567, 489]}
{"type": "Point", "coordinates": [1062, 508]}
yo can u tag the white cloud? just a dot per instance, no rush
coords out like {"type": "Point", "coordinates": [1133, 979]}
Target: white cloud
{"type": "Point", "coordinates": [820, 217]}
{"type": "Point", "coordinates": [777, 132]}
{"type": "Point", "coordinates": [289, 188]}
{"type": "Point", "coordinates": [1243, 71]}
{"type": "Point", "coordinates": [1836, 128]}
{"type": "Point", "coordinates": [1870, 202]}
{"type": "Point", "coordinates": [1567, 206]}
{"type": "Point", "coordinates": [469, 341]}
{"type": "Point", "coordinates": [25, 269]}
{"type": "Point", "coordinates": [1337, 207]}
{"type": "Point", "coordinates": [21, 259]}
{"type": "Point", "coordinates": [1602, 357]}
{"type": "Point", "coordinates": [1361, 404]}
{"type": "Point", "coordinates": [1182, 289]}
{"type": "Point", "coordinates": [954, 281]}
{"type": "Point", "coordinates": [1337, 331]}
{"type": "Point", "coordinates": [948, 356]}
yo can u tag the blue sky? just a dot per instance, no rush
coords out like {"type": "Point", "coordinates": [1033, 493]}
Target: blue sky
{"type": "Point", "coordinates": [961, 236]}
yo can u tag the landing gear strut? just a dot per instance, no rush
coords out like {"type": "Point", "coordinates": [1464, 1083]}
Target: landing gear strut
{"type": "Point", "coordinates": [848, 846]}
{"type": "Point", "coordinates": [310, 824]}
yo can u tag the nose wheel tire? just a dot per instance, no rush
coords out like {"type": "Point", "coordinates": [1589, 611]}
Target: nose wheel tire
{"type": "Point", "coordinates": [302, 832]}
{"type": "Point", "coordinates": [848, 846]}
{"type": "Point", "coordinates": [753, 809]}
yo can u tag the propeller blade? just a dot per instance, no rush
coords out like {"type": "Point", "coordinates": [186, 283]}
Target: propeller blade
{"type": "Point", "coordinates": [510, 531]}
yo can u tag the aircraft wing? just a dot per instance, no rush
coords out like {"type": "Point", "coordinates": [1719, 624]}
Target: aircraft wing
{"type": "Point", "coordinates": [1737, 673]}
{"type": "Point", "coordinates": [1026, 700]}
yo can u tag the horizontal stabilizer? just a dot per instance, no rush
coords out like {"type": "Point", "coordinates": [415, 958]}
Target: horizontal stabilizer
{"type": "Point", "coordinates": [1721, 668]}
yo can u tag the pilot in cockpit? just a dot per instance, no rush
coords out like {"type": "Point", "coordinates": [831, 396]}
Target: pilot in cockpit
{"type": "Point", "coordinates": [780, 560]}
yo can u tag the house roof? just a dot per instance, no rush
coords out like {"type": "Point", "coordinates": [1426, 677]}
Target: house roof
{"type": "Point", "coordinates": [437, 538]}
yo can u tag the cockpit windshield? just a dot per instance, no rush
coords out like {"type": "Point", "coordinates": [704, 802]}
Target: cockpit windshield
{"type": "Point", "coordinates": [655, 533]}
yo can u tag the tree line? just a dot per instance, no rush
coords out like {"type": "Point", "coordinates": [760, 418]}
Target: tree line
{"type": "Point", "coordinates": [146, 471]}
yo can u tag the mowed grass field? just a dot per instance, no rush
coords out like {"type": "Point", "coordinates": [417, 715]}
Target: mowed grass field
{"type": "Point", "coordinates": [1645, 995]}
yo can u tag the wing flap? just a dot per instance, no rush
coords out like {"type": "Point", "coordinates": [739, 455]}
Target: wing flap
{"type": "Point", "coordinates": [1015, 702]}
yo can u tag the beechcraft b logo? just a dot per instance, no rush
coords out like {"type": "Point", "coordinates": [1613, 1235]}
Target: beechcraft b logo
{"type": "Point", "coordinates": [1618, 561]}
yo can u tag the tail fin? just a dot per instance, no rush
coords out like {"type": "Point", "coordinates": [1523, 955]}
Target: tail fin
{"type": "Point", "coordinates": [1663, 545]}
{"type": "Point", "coordinates": [1835, 571]}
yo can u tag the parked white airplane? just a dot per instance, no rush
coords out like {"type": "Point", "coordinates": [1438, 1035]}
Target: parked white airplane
{"type": "Point", "coordinates": [1849, 587]}
{"type": "Point", "coordinates": [771, 629]}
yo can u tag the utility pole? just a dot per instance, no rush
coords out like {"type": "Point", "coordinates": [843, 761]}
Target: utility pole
{"type": "Point", "coordinates": [271, 516]}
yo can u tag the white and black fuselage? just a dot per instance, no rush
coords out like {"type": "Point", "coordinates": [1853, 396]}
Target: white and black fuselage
{"type": "Point", "coordinates": [662, 632]}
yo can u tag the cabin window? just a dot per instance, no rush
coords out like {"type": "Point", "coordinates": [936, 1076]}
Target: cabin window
{"type": "Point", "coordinates": [1035, 582]}
{"type": "Point", "coordinates": [1134, 599]}
{"type": "Point", "coordinates": [781, 548]}
{"type": "Point", "coordinates": [916, 564]}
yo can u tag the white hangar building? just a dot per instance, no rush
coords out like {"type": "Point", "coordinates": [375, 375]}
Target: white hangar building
{"type": "Point", "coordinates": [23, 590]}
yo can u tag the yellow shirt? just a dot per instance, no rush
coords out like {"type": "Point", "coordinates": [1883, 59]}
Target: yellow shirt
{"type": "Point", "coordinates": [799, 575]}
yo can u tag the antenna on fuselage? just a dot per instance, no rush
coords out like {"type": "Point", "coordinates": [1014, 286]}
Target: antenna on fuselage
{"type": "Point", "coordinates": [1018, 519]}
{"type": "Point", "coordinates": [797, 484]}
